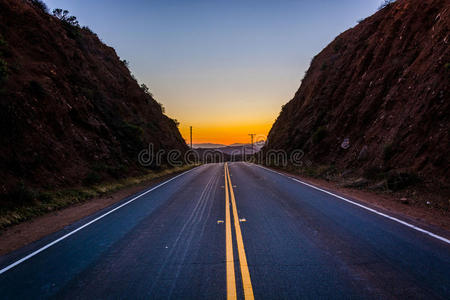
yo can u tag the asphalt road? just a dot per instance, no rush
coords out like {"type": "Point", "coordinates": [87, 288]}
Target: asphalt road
{"type": "Point", "coordinates": [277, 239]}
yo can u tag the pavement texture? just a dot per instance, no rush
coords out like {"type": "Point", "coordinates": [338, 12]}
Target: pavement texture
{"type": "Point", "coordinates": [170, 243]}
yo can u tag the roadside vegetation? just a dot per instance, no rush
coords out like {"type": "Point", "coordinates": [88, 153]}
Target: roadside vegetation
{"type": "Point", "coordinates": [24, 203]}
{"type": "Point", "coordinates": [408, 187]}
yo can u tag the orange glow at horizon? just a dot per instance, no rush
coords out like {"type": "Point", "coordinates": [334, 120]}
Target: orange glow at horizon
{"type": "Point", "coordinates": [225, 134]}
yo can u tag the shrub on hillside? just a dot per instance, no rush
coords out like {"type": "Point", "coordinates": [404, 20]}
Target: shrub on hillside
{"type": "Point", "coordinates": [163, 109]}
{"type": "Point", "coordinates": [70, 23]}
{"type": "Point", "coordinates": [92, 178]}
{"type": "Point", "coordinates": [86, 28]}
{"type": "Point", "coordinates": [398, 181]}
{"type": "Point", "coordinates": [146, 90]}
{"type": "Point", "coordinates": [21, 194]}
{"type": "Point", "coordinates": [447, 66]}
{"type": "Point", "coordinates": [40, 5]}
{"type": "Point", "coordinates": [115, 171]}
{"type": "Point", "coordinates": [319, 135]}
{"type": "Point", "coordinates": [374, 173]}
{"type": "Point", "coordinates": [175, 121]}
{"type": "Point", "coordinates": [131, 136]}
{"type": "Point", "coordinates": [126, 63]}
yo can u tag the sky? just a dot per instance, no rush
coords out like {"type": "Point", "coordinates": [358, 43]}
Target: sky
{"type": "Point", "coordinates": [224, 67]}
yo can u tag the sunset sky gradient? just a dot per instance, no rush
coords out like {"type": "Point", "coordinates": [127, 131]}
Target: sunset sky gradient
{"type": "Point", "coordinates": [224, 67]}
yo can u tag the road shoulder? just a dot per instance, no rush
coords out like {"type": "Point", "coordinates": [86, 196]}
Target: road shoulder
{"type": "Point", "coordinates": [17, 236]}
{"type": "Point", "coordinates": [432, 219]}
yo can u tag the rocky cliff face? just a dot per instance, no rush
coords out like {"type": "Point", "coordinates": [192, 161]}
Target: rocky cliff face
{"type": "Point", "coordinates": [69, 107]}
{"type": "Point", "coordinates": [383, 87]}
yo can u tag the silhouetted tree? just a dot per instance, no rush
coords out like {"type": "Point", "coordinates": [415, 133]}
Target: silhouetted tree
{"type": "Point", "coordinates": [176, 122]}
{"type": "Point", "coordinates": [39, 4]}
{"type": "Point", "coordinates": [146, 90]}
{"type": "Point", "coordinates": [64, 16]}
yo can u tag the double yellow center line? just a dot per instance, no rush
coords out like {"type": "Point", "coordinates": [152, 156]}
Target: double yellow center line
{"type": "Point", "coordinates": [245, 274]}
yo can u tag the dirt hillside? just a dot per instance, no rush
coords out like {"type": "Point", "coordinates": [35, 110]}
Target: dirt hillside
{"type": "Point", "coordinates": [376, 100]}
{"type": "Point", "coordinates": [70, 111]}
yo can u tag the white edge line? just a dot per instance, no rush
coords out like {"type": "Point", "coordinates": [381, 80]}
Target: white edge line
{"type": "Point", "coordinates": [365, 207]}
{"type": "Point", "coordinates": [87, 224]}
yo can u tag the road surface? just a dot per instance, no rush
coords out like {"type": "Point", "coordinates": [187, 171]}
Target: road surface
{"type": "Point", "coordinates": [232, 230]}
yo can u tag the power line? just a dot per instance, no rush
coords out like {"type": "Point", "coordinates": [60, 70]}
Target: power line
{"type": "Point", "coordinates": [191, 136]}
{"type": "Point", "coordinates": [251, 136]}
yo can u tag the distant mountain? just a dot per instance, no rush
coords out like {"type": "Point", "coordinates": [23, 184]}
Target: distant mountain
{"type": "Point", "coordinates": [376, 100]}
{"type": "Point", "coordinates": [235, 149]}
{"type": "Point", "coordinates": [256, 144]}
{"type": "Point", "coordinates": [208, 145]}
{"type": "Point", "coordinates": [228, 148]}
{"type": "Point", "coordinates": [239, 149]}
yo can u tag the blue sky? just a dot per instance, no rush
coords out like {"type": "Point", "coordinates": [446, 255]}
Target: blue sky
{"type": "Point", "coordinates": [225, 67]}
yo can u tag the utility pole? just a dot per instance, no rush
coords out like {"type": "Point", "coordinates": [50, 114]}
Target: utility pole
{"type": "Point", "coordinates": [191, 137]}
{"type": "Point", "coordinates": [251, 136]}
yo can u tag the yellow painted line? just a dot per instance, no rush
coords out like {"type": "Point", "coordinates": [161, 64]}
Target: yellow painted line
{"type": "Point", "coordinates": [245, 274]}
{"type": "Point", "coordinates": [231, 278]}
